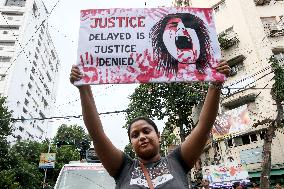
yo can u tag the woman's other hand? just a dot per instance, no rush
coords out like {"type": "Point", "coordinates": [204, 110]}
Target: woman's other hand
{"type": "Point", "coordinates": [75, 74]}
{"type": "Point", "coordinates": [224, 68]}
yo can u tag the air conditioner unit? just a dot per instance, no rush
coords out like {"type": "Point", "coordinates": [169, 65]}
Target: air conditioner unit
{"type": "Point", "coordinates": [275, 28]}
{"type": "Point", "coordinates": [259, 2]}
{"type": "Point", "coordinates": [234, 71]}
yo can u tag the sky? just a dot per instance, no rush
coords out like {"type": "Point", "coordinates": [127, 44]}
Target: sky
{"type": "Point", "coordinates": [64, 29]}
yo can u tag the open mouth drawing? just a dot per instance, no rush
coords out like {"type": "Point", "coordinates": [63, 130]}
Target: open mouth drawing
{"type": "Point", "coordinates": [183, 42]}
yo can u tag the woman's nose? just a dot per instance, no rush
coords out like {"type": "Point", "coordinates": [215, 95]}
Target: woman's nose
{"type": "Point", "coordinates": [142, 137]}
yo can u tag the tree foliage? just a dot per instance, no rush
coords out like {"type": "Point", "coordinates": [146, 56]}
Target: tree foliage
{"type": "Point", "coordinates": [129, 150]}
{"type": "Point", "coordinates": [277, 93]}
{"type": "Point", "coordinates": [278, 86]}
{"type": "Point", "coordinates": [171, 101]}
{"type": "Point", "coordinates": [72, 134]}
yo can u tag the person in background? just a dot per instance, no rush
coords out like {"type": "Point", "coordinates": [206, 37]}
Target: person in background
{"type": "Point", "coordinates": [254, 186]}
{"type": "Point", "coordinates": [205, 184]}
{"type": "Point", "coordinates": [237, 185]}
{"type": "Point", "coordinates": [278, 186]}
{"type": "Point", "coordinates": [150, 169]}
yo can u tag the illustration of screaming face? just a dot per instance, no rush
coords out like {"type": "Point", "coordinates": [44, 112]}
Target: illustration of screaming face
{"type": "Point", "coordinates": [181, 42]}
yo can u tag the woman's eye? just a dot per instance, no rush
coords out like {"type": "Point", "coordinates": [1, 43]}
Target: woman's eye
{"type": "Point", "coordinates": [147, 131]}
{"type": "Point", "coordinates": [134, 135]}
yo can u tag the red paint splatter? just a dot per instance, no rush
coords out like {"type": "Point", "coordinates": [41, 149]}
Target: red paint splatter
{"type": "Point", "coordinates": [199, 76]}
{"type": "Point", "coordinates": [208, 15]}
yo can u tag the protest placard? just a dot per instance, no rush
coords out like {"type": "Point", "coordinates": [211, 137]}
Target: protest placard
{"type": "Point", "coordinates": [148, 45]}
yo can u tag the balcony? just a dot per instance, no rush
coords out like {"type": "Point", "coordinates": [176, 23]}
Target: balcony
{"type": "Point", "coordinates": [276, 30]}
{"type": "Point", "coordinates": [261, 2]}
{"type": "Point", "coordinates": [227, 40]}
{"type": "Point", "coordinates": [236, 64]}
{"type": "Point", "coordinates": [239, 99]}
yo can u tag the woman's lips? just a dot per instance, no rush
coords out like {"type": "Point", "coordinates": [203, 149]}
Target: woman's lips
{"type": "Point", "coordinates": [144, 144]}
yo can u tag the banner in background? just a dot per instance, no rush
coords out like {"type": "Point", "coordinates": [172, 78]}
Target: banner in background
{"type": "Point", "coordinates": [47, 160]}
{"type": "Point", "coordinates": [225, 174]}
{"type": "Point", "coordinates": [148, 45]}
{"type": "Point", "coordinates": [231, 122]}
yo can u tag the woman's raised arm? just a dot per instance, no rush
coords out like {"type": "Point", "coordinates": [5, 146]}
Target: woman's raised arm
{"type": "Point", "coordinates": [109, 155]}
{"type": "Point", "coordinates": [193, 146]}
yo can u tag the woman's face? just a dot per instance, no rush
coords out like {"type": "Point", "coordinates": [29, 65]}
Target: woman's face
{"type": "Point", "coordinates": [144, 139]}
{"type": "Point", "coordinates": [181, 42]}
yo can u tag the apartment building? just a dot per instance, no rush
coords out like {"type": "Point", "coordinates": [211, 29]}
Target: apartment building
{"type": "Point", "coordinates": [28, 66]}
{"type": "Point", "coordinates": [249, 32]}
{"type": "Point", "coordinates": [181, 3]}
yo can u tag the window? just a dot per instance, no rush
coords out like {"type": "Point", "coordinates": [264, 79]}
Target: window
{"type": "Point", "coordinates": [245, 139]}
{"type": "Point", "coordinates": [230, 142]}
{"type": "Point", "coordinates": [26, 102]}
{"type": "Point", "coordinates": [7, 43]}
{"type": "Point", "coordinates": [2, 77]}
{"type": "Point", "coordinates": [21, 128]}
{"type": "Point", "coordinates": [36, 56]}
{"type": "Point", "coordinates": [25, 110]}
{"type": "Point", "coordinates": [236, 64]}
{"type": "Point", "coordinates": [35, 10]}
{"type": "Point", "coordinates": [280, 57]}
{"type": "Point", "coordinates": [219, 6]}
{"type": "Point", "coordinates": [37, 49]}
{"type": "Point", "coordinates": [238, 141]}
{"type": "Point", "coordinates": [34, 62]}
{"type": "Point", "coordinates": [273, 26]}
{"type": "Point", "coordinates": [262, 135]}
{"type": "Point", "coordinates": [22, 119]}
{"type": "Point", "coordinates": [17, 3]}
{"type": "Point", "coordinates": [48, 76]}
{"type": "Point", "coordinates": [30, 85]}
{"type": "Point", "coordinates": [53, 54]}
{"type": "Point", "coordinates": [253, 137]}
{"type": "Point", "coordinates": [40, 37]}
{"type": "Point", "coordinates": [5, 32]}
{"type": "Point", "coordinates": [33, 70]}
{"type": "Point", "coordinates": [12, 13]}
{"type": "Point", "coordinates": [39, 43]}
{"type": "Point", "coordinates": [5, 59]}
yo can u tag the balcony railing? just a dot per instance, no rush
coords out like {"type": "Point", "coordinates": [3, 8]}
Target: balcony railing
{"type": "Point", "coordinates": [261, 2]}
{"type": "Point", "coordinates": [276, 30]}
{"type": "Point", "coordinates": [227, 40]}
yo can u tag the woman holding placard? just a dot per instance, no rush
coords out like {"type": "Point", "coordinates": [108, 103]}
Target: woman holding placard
{"type": "Point", "coordinates": [149, 170]}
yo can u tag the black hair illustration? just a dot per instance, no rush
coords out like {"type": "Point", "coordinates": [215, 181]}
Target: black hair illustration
{"type": "Point", "coordinates": [166, 60]}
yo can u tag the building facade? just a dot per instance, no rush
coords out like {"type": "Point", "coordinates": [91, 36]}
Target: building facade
{"type": "Point", "coordinates": [182, 3]}
{"type": "Point", "coordinates": [250, 32]}
{"type": "Point", "coordinates": [28, 66]}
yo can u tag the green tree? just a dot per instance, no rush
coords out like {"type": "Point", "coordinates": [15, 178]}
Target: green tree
{"type": "Point", "coordinates": [7, 176]}
{"type": "Point", "coordinates": [25, 160]}
{"type": "Point", "coordinates": [171, 101]}
{"type": "Point", "coordinates": [277, 93]}
{"type": "Point", "coordinates": [72, 134]}
{"type": "Point", "coordinates": [129, 151]}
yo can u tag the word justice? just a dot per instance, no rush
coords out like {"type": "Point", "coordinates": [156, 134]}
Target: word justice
{"type": "Point", "coordinates": [115, 49]}
{"type": "Point", "coordinates": [120, 22]}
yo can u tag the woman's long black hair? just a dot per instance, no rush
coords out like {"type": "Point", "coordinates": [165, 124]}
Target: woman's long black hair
{"type": "Point", "coordinates": [166, 60]}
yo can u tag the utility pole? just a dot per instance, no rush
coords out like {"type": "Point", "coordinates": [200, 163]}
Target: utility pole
{"type": "Point", "coordinates": [45, 170]}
